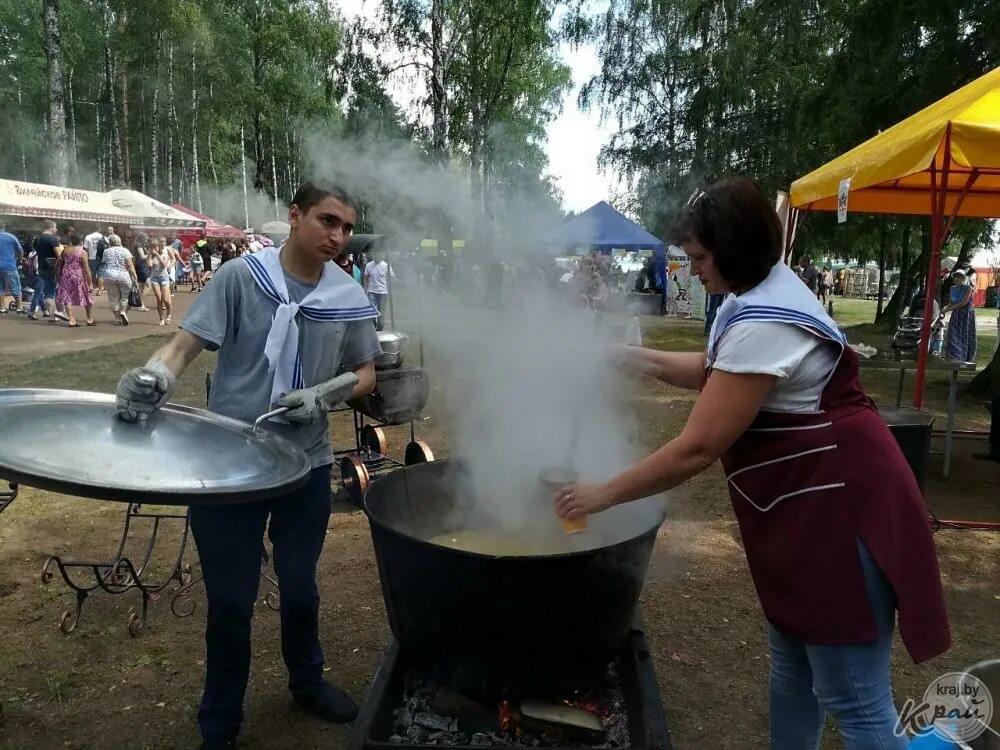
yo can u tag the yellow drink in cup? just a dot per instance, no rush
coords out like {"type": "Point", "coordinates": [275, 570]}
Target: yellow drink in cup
{"type": "Point", "coordinates": [555, 478]}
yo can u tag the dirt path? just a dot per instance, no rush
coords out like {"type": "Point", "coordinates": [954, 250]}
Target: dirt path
{"type": "Point", "coordinates": [21, 338]}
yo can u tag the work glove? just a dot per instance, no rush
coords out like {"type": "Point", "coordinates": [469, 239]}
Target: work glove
{"type": "Point", "coordinates": [143, 390]}
{"type": "Point", "coordinates": [306, 405]}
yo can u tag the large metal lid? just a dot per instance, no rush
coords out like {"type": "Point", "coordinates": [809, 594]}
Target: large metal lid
{"type": "Point", "coordinates": [72, 442]}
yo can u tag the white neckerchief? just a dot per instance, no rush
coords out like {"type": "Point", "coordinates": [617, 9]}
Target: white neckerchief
{"type": "Point", "coordinates": [336, 298]}
{"type": "Point", "coordinates": [780, 298]}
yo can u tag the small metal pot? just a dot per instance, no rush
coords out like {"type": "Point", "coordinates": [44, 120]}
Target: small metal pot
{"type": "Point", "coordinates": [393, 345]}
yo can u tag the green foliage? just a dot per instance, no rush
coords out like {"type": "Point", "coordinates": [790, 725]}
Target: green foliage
{"type": "Point", "coordinates": [706, 88]}
{"type": "Point", "coordinates": [265, 66]}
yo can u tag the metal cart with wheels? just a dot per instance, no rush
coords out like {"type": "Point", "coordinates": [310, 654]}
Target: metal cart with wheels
{"type": "Point", "coordinates": [401, 392]}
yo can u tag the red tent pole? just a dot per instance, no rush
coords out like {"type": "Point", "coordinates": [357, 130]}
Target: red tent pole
{"type": "Point", "coordinates": [939, 189]}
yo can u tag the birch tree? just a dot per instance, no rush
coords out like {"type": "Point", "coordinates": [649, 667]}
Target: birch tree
{"type": "Point", "coordinates": [58, 159]}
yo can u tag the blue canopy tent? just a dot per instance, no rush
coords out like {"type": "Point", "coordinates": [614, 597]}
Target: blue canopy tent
{"type": "Point", "coordinates": [604, 229]}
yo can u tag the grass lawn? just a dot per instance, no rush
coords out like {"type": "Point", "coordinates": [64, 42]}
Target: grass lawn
{"type": "Point", "coordinates": [855, 316]}
{"type": "Point", "coordinates": [98, 688]}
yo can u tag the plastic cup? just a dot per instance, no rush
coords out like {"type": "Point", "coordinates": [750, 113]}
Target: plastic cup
{"type": "Point", "coordinates": [554, 478]}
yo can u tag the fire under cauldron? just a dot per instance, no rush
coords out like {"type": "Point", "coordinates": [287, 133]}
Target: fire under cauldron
{"type": "Point", "coordinates": [497, 620]}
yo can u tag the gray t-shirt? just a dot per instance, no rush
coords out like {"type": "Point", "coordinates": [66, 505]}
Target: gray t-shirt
{"type": "Point", "coordinates": [234, 317]}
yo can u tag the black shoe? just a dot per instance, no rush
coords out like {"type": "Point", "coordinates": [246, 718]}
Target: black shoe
{"type": "Point", "coordinates": [991, 456]}
{"type": "Point", "coordinates": [329, 703]}
{"type": "Point", "coordinates": [218, 744]}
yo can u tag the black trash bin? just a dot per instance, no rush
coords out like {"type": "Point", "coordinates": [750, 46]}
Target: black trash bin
{"type": "Point", "coordinates": [912, 430]}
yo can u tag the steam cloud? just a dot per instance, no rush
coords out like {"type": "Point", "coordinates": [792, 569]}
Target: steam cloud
{"type": "Point", "coordinates": [518, 382]}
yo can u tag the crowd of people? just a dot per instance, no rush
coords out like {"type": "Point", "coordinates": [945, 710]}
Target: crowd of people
{"type": "Point", "coordinates": [59, 273]}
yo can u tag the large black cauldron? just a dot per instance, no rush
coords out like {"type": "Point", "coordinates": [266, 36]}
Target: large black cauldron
{"type": "Point", "coordinates": [510, 618]}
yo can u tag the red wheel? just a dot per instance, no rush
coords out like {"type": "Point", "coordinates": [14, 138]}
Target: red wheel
{"type": "Point", "coordinates": [374, 440]}
{"type": "Point", "coordinates": [354, 476]}
{"type": "Point", "coordinates": [418, 452]}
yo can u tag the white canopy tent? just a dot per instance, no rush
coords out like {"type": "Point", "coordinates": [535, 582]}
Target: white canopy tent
{"type": "Point", "coordinates": [276, 228]}
{"type": "Point", "coordinates": [52, 202]}
{"type": "Point", "coordinates": [149, 213]}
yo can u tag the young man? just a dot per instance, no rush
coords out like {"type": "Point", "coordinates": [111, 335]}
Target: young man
{"type": "Point", "coordinates": [95, 243]}
{"type": "Point", "coordinates": [48, 248]}
{"type": "Point", "coordinates": [377, 284]}
{"type": "Point", "coordinates": [284, 322]}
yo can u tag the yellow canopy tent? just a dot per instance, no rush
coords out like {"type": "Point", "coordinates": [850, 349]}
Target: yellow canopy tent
{"type": "Point", "coordinates": [944, 162]}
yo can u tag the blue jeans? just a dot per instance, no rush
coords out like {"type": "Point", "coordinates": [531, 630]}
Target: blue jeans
{"type": "Point", "coordinates": [229, 539]}
{"type": "Point", "coordinates": [851, 682]}
{"type": "Point", "coordinates": [378, 302]}
{"type": "Point", "coordinates": [45, 288]}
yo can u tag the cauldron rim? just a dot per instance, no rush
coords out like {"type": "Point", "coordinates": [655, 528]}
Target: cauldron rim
{"type": "Point", "coordinates": [383, 526]}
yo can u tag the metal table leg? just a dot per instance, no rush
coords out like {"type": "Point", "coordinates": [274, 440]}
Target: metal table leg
{"type": "Point", "coordinates": [120, 573]}
{"type": "Point", "coordinates": [899, 388]}
{"type": "Point", "coordinates": [949, 432]}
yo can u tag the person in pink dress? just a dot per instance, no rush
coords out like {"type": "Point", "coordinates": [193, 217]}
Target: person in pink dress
{"type": "Point", "coordinates": [74, 281]}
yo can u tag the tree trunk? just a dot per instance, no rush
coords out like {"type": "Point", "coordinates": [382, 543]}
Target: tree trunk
{"type": "Point", "coordinates": [196, 173]}
{"type": "Point", "coordinates": [75, 161]}
{"type": "Point", "coordinates": [171, 122]}
{"type": "Point", "coordinates": [258, 122]}
{"type": "Point", "coordinates": [59, 163]}
{"type": "Point", "coordinates": [20, 121]}
{"type": "Point", "coordinates": [99, 139]}
{"type": "Point", "coordinates": [154, 128]}
{"type": "Point", "coordinates": [883, 248]}
{"type": "Point", "coordinates": [274, 179]}
{"type": "Point", "coordinates": [288, 160]}
{"type": "Point", "coordinates": [439, 102]}
{"type": "Point", "coordinates": [142, 122]}
{"type": "Point", "coordinates": [258, 153]}
{"type": "Point", "coordinates": [211, 157]}
{"type": "Point", "coordinates": [243, 160]}
{"type": "Point", "coordinates": [123, 74]}
{"type": "Point", "coordinates": [908, 278]}
{"type": "Point", "coordinates": [109, 84]}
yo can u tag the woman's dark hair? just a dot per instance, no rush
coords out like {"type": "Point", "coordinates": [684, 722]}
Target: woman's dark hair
{"type": "Point", "coordinates": [73, 239]}
{"type": "Point", "coordinates": [734, 221]}
{"type": "Point", "coordinates": [309, 194]}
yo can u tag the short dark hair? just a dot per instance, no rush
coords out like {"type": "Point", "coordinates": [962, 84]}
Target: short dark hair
{"type": "Point", "coordinates": [734, 221]}
{"type": "Point", "coordinates": [309, 194]}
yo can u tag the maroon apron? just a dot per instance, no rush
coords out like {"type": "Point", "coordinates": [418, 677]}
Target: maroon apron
{"type": "Point", "coordinates": [805, 488]}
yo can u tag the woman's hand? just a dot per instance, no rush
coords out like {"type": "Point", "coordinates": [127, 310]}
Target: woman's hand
{"type": "Point", "coordinates": [627, 357]}
{"type": "Point", "coordinates": [576, 500]}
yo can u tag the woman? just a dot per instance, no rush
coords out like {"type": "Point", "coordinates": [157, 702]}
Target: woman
{"type": "Point", "coordinates": [197, 266]}
{"type": "Point", "coordinates": [141, 259]}
{"type": "Point", "coordinates": [74, 281]}
{"type": "Point", "coordinates": [170, 248]}
{"type": "Point", "coordinates": [119, 277]}
{"type": "Point", "coordinates": [961, 336]}
{"type": "Point", "coordinates": [160, 261]}
{"type": "Point", "coordinates": [833, 523]}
